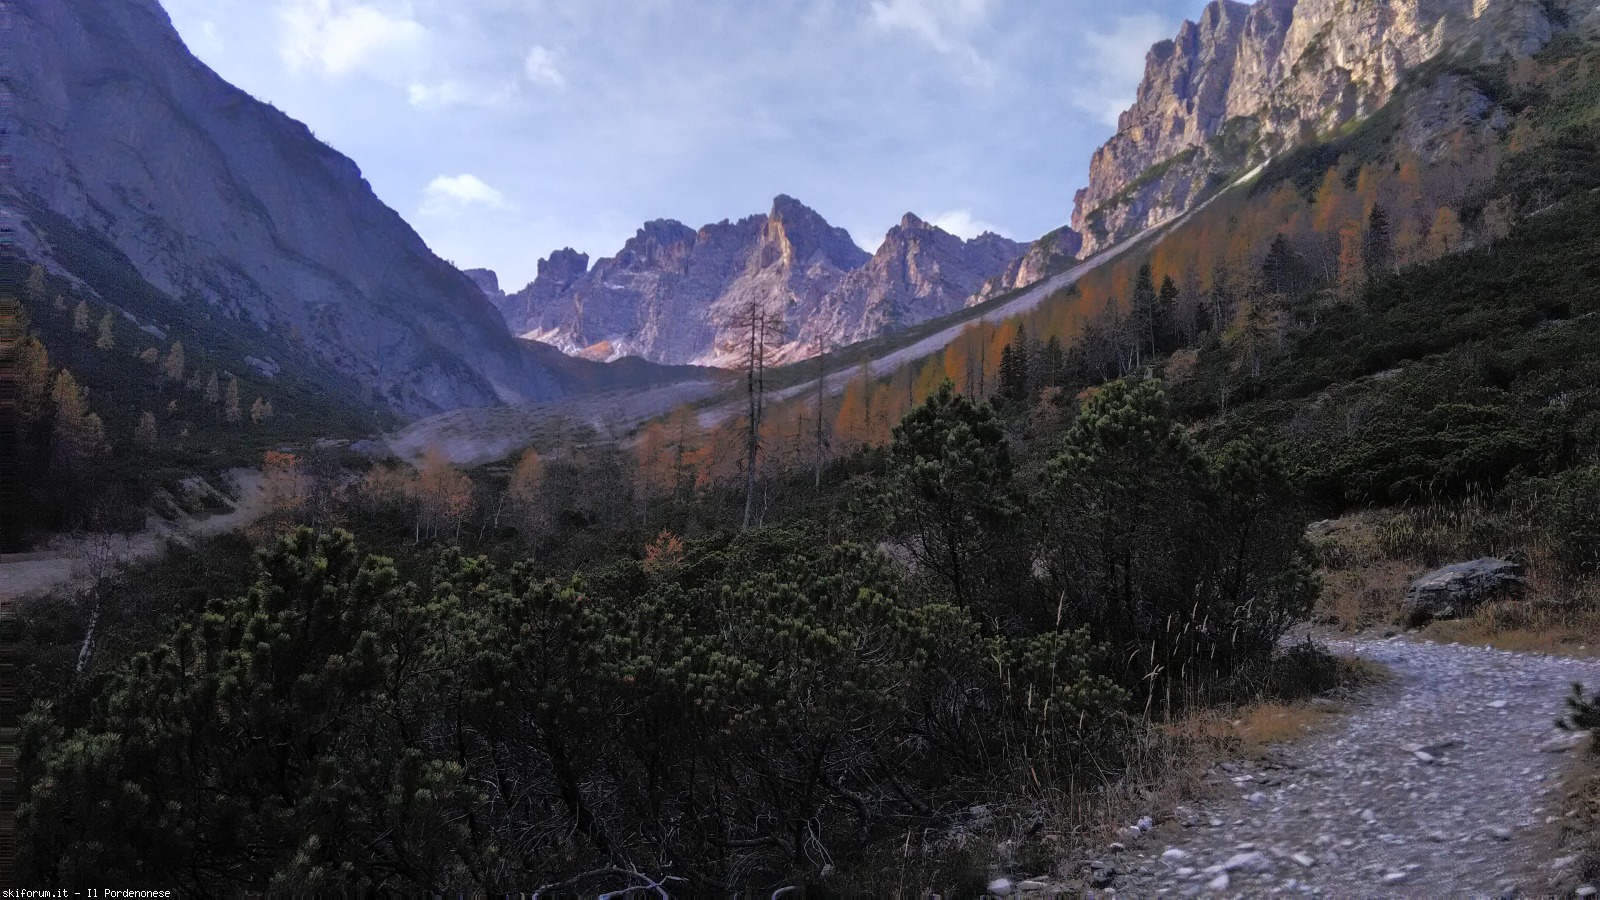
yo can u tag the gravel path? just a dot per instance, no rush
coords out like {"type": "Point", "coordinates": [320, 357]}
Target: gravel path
{"type": "Point", "coordinates": [1439, 785]}
{"type": "Point", "coordinates": [69, 559]}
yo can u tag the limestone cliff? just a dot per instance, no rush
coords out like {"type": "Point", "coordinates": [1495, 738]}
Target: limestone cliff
{"type": "Point", "coordinates": [667, 295]}
{"type": "Point", "coordinates": [1245, 82]}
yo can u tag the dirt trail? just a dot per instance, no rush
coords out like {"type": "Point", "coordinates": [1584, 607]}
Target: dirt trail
{"type": "Point", "coordinates": [1439, 785]}
{"type": "Point", "coordinates": [74, 559]}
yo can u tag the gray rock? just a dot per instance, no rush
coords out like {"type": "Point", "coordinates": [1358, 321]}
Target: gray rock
{"type": "Point", "coordinates": [1455, 590]}
{"type": "Point", "coordinates": [1254, 862]}
{"type": "Point", "coordinates": [669, 294]}
{"type": "Point", "coordinates": [1243, 80]}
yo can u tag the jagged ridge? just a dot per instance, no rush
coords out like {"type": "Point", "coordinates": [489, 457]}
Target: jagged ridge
{"type": "Point", "coordinates": [666, 294]}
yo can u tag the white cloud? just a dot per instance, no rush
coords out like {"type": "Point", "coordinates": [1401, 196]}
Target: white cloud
{"type": "Point", "coordinates": [446, 94]}
{"type": "Point", "coordinates": [960, 223]}
{"type": "Point", "coordinates": [337, 37]}
{"type": "Point", "coordinates": [455, 193]}
{"type": "Point", "coordinates": [207, 40]}
{"type": "Point", "coordinates": [540, 67]}
{"type": "Point", "coordinates": [1112, 64]}
{"type": "Point", "coordinates": [944, 25]}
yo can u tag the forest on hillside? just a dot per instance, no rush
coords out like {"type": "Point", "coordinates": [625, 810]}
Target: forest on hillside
{"type": "Point", "coordinates": [887, 644]}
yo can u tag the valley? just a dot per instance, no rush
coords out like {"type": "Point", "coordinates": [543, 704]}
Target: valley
{"type": "Point", "coordinates": [1236, 539]}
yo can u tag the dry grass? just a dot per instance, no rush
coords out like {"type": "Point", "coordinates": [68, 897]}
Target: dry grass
{"type": "Point", "coordinates": [1576, 835]}
{"type": "Point", "coordinates": [1368, 558]}
{"type": "Point", "coordinates": [1175, 759]}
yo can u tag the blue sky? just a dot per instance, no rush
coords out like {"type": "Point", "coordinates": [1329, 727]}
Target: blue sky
{"type": "Point", "coordinates": [506, 129]}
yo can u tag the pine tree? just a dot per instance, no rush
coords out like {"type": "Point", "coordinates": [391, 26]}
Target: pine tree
{"type": "Point", "coordinates": [1142, 314]}
{"type": "Point", "coordinates": [80, 317]}
{"type": "Point", "coordinates": [106, 339]}
{"type": "Point", "coordinates": [1012, 388]}
{"type": "Point", "coordinates": [172, 367]}
{"type": "Point", "coordinates": [1378, 245]}
{"type": "Point", "coordinates": [1166, 309]}
{"type": "Point", "coordinates": [1052, 363]}
{"type": "Point", "coordinates": [230, 405]}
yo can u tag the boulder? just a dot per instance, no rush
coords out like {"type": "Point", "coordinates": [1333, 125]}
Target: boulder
{"type": "Point", "coordinates": [1456, 590]}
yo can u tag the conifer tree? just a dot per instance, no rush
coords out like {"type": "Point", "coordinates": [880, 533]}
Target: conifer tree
{"type": "Point", "coordinates": [106, 339]}
{"type": "Point", "coordinates": [172, 367]}
{"type": "Point", "coordinates": [213, 389]}
{"type": "Point", "coordinates": [33, 379]}
{"type": "Point", "coordinates": [80, 317]}
{"type": "Point", "coordinates": [1378, 244]}
{"type": "Point", "coordinates": [146, 432]}
{"type": "Point", "coordinates": [230, 403]}
{"type": "Point", "coordinates": [36, 287]}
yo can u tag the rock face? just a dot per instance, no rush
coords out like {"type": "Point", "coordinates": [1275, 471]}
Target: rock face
{"type": "Point", "coordinates": [666, 295]}
{"type": "Point", "coordinates": [225, 203]}
{"type": "Point", "coordinates": [1245, 82]}
{"type": "Point", "coordinates": [1049, 254]}
{"type": "Point", "coordinates": [919, 273]}
{"type": "Point", "coordinates": [1456, 590]}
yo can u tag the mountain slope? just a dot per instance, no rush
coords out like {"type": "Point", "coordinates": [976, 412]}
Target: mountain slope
{"type": "Point", "coordinates": [666, 294]}
{"type": "Point", "coordinates": [1247, 82]}
{"type": "Point", "coordinates": [224, 203]}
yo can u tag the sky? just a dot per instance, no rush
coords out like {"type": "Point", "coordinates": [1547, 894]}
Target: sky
{"type": "Point", "coordinates": [503, 130]}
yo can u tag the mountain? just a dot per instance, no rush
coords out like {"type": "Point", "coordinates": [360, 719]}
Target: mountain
{"type": "Point", "coordinates": [123, 138]}
{"type": "Point", "coordinates": [1246, 82]}
{"type": "Point", "coordinates": [920, 272]}
{"type": "Point", "coordinates": [665, 294]}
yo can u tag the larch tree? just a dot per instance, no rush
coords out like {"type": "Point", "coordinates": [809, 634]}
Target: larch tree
{"type": "Point", "coordinates": [76, 434]}
{"type": "Point", "coordinates": [230, 403]}
{"type": "Point", "coordinates": [146, 433]}
{"type": "Point", "coordinates": [106, 339]}
{"type": "Point", "coordinates": [80, 317]}
{"type": "Point", "coordinates": [760, 333]}
{"type": "Point", "coordinates": [213, 390]}
{"type": "Point", "coordinates": [443, 493]}
{"type": "Point", "coordinates": [526, 480]}
{"type": "Point", "coordinates": [36, 287]}
{"type": "Point", "coordinates": [172, 368]}
{"type": "Point", "coordinates": [1445, 235]}
{"type": "Point", "coordinates": [33, 379]}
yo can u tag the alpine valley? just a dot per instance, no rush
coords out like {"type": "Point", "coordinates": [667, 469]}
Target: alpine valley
{"type": "Point", "coordinates": [1235, 537]}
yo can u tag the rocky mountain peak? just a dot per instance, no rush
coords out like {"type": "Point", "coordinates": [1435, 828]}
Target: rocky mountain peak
{"type": "Point", "coordinates": [563, 267]}
{"type": "Point", "coordinates": [670, 292]}
{"type": "Point", "coordinates": [1243, 82]}
{"type": "Point", "coordinates": [797, 234]}
{"type": "Point", "coordinates": [486, 280]}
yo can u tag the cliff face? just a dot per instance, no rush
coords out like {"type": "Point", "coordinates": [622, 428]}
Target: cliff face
{"type": "Point", "coordinates": [667, 294]}
{"type": "Point", "coordinates": [919, 273]}
{"type": "Point", "coordinates": [227, 204]}
{"type": "Point", "coordinates": [1245, 82]}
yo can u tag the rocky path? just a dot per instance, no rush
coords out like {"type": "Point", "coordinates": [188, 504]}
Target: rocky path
{"type": "Point", "coordinates": [68, 560]}
{"type": "Point", "coordinates": [1441, 784]}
